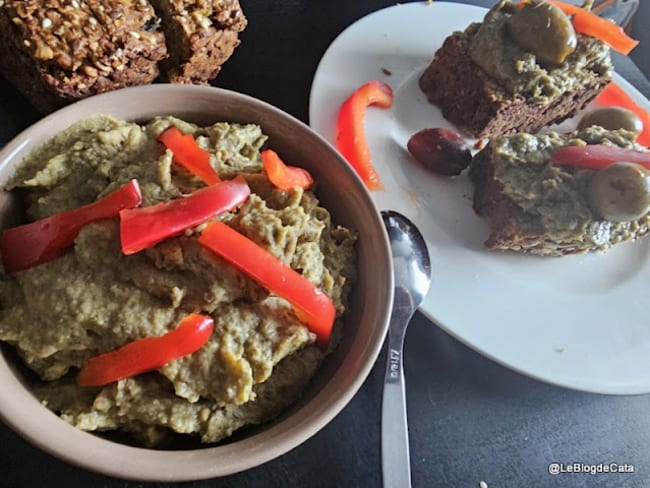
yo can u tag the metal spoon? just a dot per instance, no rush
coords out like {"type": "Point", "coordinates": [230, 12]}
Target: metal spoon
{"type": "Point", "coordinates": [412, 279]}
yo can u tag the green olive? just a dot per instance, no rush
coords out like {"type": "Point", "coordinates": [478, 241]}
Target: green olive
{"type": "Point", "coordinates": [620, 192]}
{"type": "Point", "coordinates": [612, 118]}
{"type": "Point", "coordinates": [544, 30]}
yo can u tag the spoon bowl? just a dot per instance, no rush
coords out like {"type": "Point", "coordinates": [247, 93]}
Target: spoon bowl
{"type": "Point", "coordinates": [412, 271]}
{"type": "Point", "coordinates": [412, 266]}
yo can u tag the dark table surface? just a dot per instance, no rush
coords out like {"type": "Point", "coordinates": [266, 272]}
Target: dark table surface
{"type": "Point", "coordinates": [471, 420]}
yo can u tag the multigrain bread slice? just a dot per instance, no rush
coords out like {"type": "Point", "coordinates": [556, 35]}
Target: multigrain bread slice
{"type": "Point", "coordinates": [201, 36]}
{"type": "Point", "coordinates": [59, 51]}
{"type": "Point", "coordinates": [488, 85]}
{"type": "Point", "coordinates": [540, 208]}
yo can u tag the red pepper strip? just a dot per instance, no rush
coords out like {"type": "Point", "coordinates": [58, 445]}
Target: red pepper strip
{"type": "Point", "coordinates": [614, 96]}
{"type": "Point", "coordinates": [350, 131]}
{"type": "Point", "coordinates": [148, 353]}
{"type": "Point", "coordinates": [282, 176]}
{"type": "Point", "coordinates": [597, 156]}
{"type": "Point", "coordinates": [588, 23]}
{"type": "Point", "coordinates": [188, 154]}
{"type": "Point", "coordinates": [312, 306]}
{"type": "Point", "coordinates": [144, 227]}
{"type": "Point", "coordinates": [46, 239]}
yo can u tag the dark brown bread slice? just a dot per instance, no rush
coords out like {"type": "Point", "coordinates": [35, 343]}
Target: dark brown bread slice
{"type": "Point", "coordinates": [57, 51]}
{"type": "Point", "coordinates": [201, 36]}
{"type": "Point", "coordinates": [472, 100]}
{"type": "Point", "coordinates": [556, 198]}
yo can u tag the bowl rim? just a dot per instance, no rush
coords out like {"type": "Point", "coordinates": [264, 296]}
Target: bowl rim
{"type": "Point", "coordinates": [87, 450]}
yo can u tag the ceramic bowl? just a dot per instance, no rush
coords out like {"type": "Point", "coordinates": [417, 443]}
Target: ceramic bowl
{"type": "Point", "coordinates": [341, 375]}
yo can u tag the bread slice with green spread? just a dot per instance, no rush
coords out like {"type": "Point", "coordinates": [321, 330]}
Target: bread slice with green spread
{"type": "Point", "coordinates": [487, 84]}
{"type": "Point", "coordinates": [534, 206]}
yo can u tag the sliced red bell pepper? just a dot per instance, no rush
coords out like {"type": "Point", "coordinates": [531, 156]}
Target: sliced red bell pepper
{"type": "Point", "coordinates": [147, 354]}
{"type": "Point", "coordinates": [597, 156]}
{"type": "Point", "coordinates": [189, 155]}
{"type": "Point", "coordinates": [350, 129]}
{"type": "Point", "coordinates": [590, 24]}
{"type": "Point", "coordinates": [46, 239]}
{"type": "Point", "coordinates": [614, 96]}
{"type": "Point", "coordinates": [283, 176]}
{"type": "Point", "coordinates": [143, 227]}
{"type": "Point", "coordinates": [312, 306]}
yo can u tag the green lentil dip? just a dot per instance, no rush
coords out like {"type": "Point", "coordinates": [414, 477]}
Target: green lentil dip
{"type": "Point", "coordinates": [519, 72]}
{"type": "Point", "coordinates": [95, 299]}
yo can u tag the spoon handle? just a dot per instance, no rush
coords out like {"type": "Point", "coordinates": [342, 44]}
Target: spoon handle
{"type": "Point", "coordinates": [396, 464]}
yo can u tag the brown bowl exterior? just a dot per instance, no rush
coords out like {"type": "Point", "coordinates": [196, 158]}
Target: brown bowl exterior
{"type": "Point", "coordinates": [340, 190]}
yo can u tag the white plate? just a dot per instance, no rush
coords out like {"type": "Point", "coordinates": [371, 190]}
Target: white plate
{"type": "Point", "coordinates": [579, 321]}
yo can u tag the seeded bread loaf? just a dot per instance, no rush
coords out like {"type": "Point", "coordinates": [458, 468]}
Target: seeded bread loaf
{"type": "Point", "coordinates": [201, 36]}
{"type": "Point", "coordinates": [59, 51]}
